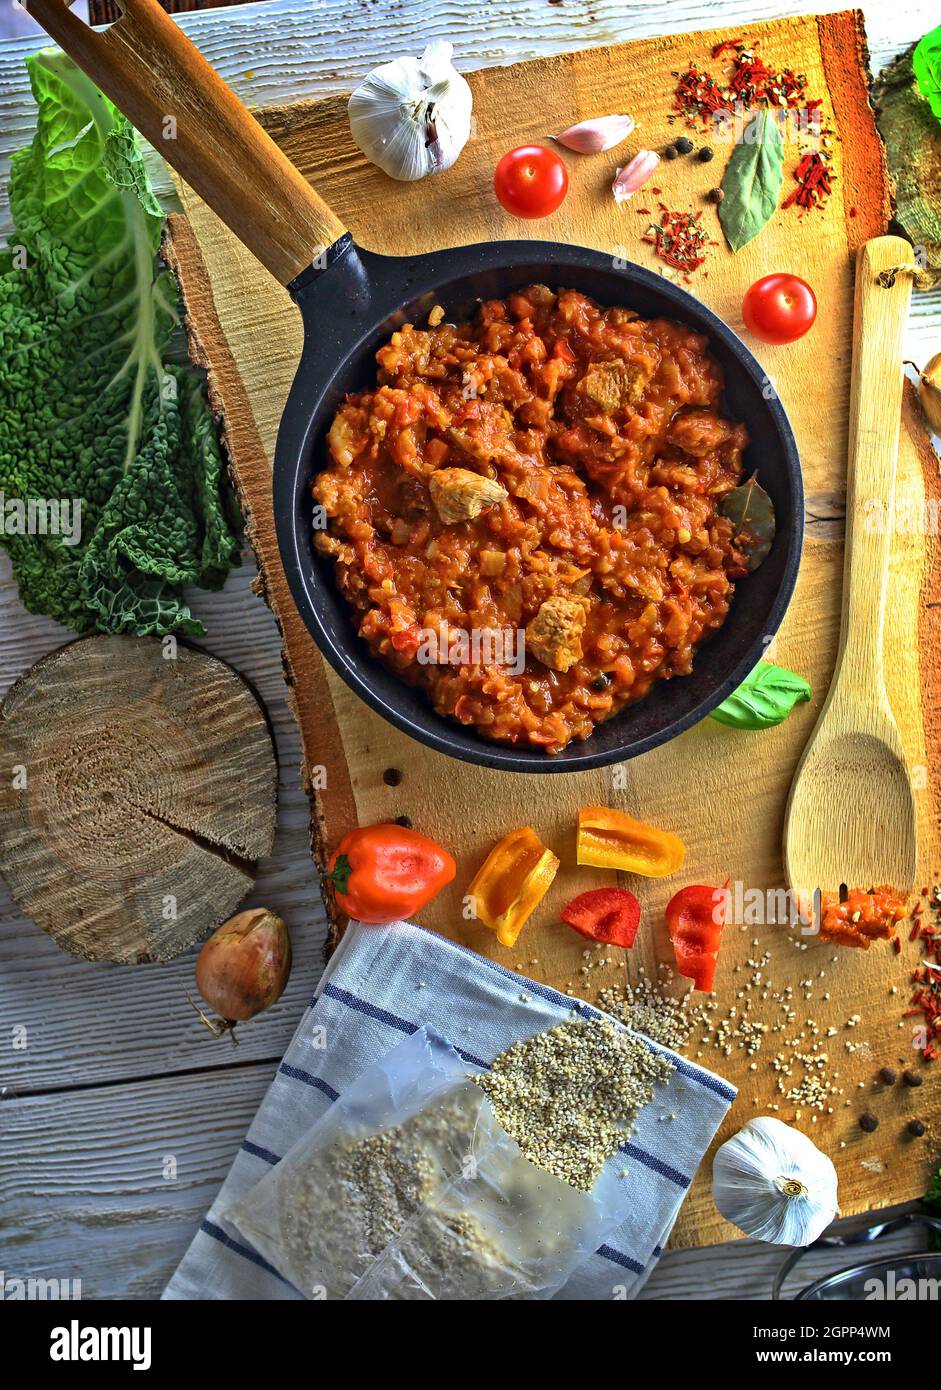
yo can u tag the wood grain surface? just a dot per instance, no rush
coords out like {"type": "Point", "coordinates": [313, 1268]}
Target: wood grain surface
{"type": "Point", "coordinates": [138, 795]}
{"type": "Point", "coordinates": [722, 790]}
{"type": "Point", "coordinates": [851, 815]}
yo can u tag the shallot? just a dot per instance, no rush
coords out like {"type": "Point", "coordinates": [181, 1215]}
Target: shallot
{"type": "Point", "coordinates": [929, 392]}
{"type": "Point", "coordinates": [243, 968]}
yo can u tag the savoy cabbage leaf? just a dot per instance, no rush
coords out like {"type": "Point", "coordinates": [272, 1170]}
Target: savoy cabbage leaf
{"type": "Point", "coordinates": [91, 412]}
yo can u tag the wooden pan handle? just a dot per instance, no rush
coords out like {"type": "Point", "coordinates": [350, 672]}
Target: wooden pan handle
{"type": "Point", "coordinates": [150, 70]}
{"type": "Point", "coordinates": [883, 294]}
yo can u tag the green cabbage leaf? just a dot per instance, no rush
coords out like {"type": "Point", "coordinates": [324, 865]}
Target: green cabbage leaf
{"type": "Point", "coordinates": [113, 489]}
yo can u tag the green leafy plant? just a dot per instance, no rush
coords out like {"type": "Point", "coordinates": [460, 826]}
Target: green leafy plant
{"type": "Point", "coordinates": [93, 414]}
{"type": "Point", "coordinates": [926, 65]}
{"type": "Point", "coordinates": [764, 698]}
{"type": "Point", "coordinates": [752, 181]}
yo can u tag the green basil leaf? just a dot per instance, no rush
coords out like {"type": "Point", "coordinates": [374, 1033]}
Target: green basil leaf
{"type": "Point", "coordinates": [751, 512]}
{"type": "Point", "coordinates": [752, 181]}
{"type": "Point", "coordinates": [926, 65]}
{"type": "Point", "coordinates": [763, 699]}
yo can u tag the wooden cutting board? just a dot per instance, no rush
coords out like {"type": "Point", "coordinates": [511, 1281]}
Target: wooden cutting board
{"type": "Point", "coordinates": [722, 790]}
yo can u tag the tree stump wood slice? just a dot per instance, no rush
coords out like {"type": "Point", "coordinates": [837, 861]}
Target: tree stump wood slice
{"type": "Point", "coordinates": [138, 791]}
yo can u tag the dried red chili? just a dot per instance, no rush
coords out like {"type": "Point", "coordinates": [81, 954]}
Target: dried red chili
{"type": "Point", "coordinates": [814, 182]}
{"type": "Point", "coordinates": [679, 239]}
{"type": "Point", "coordinates": [751, 82]}
{"type": "Point", "coordinates": [925, 1002]}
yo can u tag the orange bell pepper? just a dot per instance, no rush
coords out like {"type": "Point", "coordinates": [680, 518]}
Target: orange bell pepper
{"type": "Point", "coordinates": [611, 840]}
{"type": "Point", "coordinates": [511, 882]}
{"type": "Point", "coordinates": [384, 873]}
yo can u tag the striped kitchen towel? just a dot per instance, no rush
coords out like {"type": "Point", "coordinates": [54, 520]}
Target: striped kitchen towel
{"type": "Point", "coordinates": [383, 983]}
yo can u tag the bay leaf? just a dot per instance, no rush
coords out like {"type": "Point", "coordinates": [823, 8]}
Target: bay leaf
{"type": "Point", "coordinates": [752, 181]}
{"type": "Point", "coordinates": [751, 512]}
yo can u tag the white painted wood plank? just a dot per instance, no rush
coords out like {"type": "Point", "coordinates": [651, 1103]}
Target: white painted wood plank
{"type": "Point", "coordinates": [84, 1177]}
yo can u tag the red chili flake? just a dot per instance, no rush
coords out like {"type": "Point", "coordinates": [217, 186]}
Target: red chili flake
{"type": "Point", "coordinates": [897, 945]}
{"type": "Point", "coordinates": [751, 82]}
{"type": "Point", "coordinates": [915, 932]}
{"type": "Point", "coordinates": [925, 1001]}
{"type": "Point", "coordinates": [725, 45]}
{"type": "Point", "coordinates": [679, 239]}
{"type": "Point", "coordinates": [698, 94]}
{"type": "Point", "coordinates": [814, 181]}
{"type": "Point", "coordinates": [643, 212]}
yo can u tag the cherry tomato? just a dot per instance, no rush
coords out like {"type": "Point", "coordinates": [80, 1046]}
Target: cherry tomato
{"type": "Point", "coordinates": [531, 181]}
{"type": "Point", "coordinates": [779, 308]}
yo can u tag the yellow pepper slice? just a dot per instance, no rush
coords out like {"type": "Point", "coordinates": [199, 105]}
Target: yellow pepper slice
{"type": "Point", "coordinates": [611, 840]}
{"type": "Point", "coordinates": [511, 882]}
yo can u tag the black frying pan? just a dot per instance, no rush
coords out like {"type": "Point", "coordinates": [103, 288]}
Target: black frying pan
{"type": "Point", "coordinates": [351, 300]}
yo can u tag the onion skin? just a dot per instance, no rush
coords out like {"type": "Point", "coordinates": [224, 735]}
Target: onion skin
{"type": "Point", "coordinates": [929, 392]}
{"type": "Point", "coordinates": [244, 966]}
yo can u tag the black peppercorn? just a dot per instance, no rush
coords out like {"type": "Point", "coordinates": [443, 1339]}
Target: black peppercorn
{"type": "Point", "coordinates": [888, 1076]}
{"type": "Point", "coordinates": [868, 1122]}
{"type": "Point", "coordinates": [683, 145]}
{"type": "Point", "coordinates": [404, 821]}
{"type": "Point", "coordinates": [392, 777]}
{"type": "Point", "coordinates": [601, 681]}
{"type": "Point", "coordinates": [705, 154]}
{"type": "Point", "coordinates": [912, 1078]}
{"type": "Point", "coordinates": [715, 195]}
{"type": "Point", "coordinates": [670, 152]}
{"type": "Point", "coordinates": [916, 1128]}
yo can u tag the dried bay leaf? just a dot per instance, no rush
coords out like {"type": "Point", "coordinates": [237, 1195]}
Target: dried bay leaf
{"type": "Point", "coordinates": [751, 512]}
{"type": "Point", "coordinates": [752, 181]}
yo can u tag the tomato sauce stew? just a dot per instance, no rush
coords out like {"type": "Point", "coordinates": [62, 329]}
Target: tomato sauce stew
{"type": "Point", "coordinates": [524, 513]}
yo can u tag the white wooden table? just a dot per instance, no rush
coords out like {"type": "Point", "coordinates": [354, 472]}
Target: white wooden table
{"type": "Point", "coordinates": [119, 1115]}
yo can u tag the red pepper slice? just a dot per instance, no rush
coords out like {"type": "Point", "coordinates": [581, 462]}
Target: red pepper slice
{"type": "Point", "coordinates": [696, 916]}
{"type": "Point", "coordinates": [611, 915]}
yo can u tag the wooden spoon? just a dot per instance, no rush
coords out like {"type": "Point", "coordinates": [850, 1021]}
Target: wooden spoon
{"type": "Point", "coordinates": [851, 813]}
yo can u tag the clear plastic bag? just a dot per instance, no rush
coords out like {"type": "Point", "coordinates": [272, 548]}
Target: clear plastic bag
{"type": "Point", "coordinates": [408, 1188]}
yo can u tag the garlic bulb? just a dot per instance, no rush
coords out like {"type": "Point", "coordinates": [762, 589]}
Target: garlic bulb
{"type": "Point", "coordinates": [412, 116]}
{"type": "Point", "coordinates": [771, 1182]}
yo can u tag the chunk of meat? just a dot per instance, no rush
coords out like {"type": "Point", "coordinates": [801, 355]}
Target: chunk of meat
{"type": "Point", "coordinates": [614, 385]}
{"type": "Point", "coordinates": [554, 636]}
{"type": "Point", "coordinates": [699, 432]}
{"type": "Point", "coordinates": [460, 495]}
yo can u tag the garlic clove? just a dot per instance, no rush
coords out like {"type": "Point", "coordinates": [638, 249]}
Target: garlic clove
{"type": "Point", "coordinates": [634, 175]}
{"type": "Point", "coordinates": [591, 137]}
{"type": "Point", "coordinates": [774, 1184]}
{"type": "Point", "coordinates": [412, 116]}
